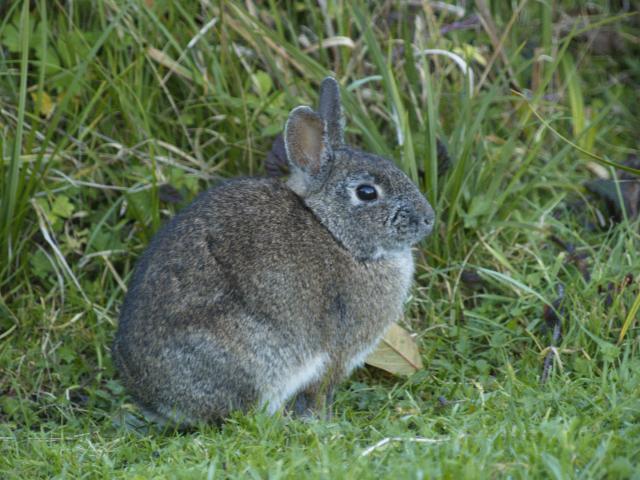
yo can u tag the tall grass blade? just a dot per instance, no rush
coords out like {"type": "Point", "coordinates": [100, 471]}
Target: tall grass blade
{"type": "Point", "coordinates": [12, 184]}
{"type": "Point", "coordinates": [631, 317]}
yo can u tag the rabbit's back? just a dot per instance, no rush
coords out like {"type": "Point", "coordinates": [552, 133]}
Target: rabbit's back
{"type": "Point", "coordinates": [227, 247]}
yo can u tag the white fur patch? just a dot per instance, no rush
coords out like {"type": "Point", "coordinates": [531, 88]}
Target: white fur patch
{"type": "Point", "coordinates": [407, 267]}
{"type": "Point", "coordinates": [358, 359]}
{"type": "Point", "coordinates": [293, 381]}
{"type": "Point", "coordinates": [403, 260]}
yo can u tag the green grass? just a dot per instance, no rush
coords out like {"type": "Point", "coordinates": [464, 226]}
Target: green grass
{"type": "Point", "coordinates": [102, 104]}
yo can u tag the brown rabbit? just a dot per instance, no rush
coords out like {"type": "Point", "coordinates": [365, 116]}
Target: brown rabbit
{"type": "Point", "coordinates": [264, 289]}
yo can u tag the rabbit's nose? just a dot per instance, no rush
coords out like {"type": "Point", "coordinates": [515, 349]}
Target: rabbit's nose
{"type": "Point", "coordinates": [428, 224]}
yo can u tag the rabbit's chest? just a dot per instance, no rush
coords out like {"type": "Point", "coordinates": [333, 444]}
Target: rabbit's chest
{"type": "Point", "coordinates": [370, 303]}
{"type": "Point", "coordinates": [402, 268]}
{"type": "Point", "coordinates": [385, 284]}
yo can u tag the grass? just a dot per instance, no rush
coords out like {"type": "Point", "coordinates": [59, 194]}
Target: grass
{"type": "Point", "coordinates": [103, 107]}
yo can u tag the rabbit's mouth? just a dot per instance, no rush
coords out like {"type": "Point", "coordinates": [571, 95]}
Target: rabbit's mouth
{"type": "Point", "coordinates": [411, 226]}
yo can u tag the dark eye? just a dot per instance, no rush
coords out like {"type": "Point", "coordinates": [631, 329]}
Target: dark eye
{"type": "Point", "coordinates": [366, 193]}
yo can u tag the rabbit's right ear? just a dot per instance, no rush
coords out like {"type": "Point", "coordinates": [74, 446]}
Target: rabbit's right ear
{"type": "Point", "coordinates": [308, 150]}
{"type": "Point", "coordinates": [330, 110]}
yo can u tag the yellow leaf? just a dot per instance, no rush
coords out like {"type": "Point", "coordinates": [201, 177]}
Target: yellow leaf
{"type": "Point", "coordinates": [43, 103]}
{"type": "Point", "coordinates": [469, 52]}
{"type": "Point", "coordinates": [397, 353]}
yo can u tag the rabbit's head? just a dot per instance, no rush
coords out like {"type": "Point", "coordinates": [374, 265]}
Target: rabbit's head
{"type": "Point", "coordinates": [368, 204]}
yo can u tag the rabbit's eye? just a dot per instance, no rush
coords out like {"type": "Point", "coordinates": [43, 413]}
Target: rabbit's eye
{"type": "Point", "coordinates": [366, 193]}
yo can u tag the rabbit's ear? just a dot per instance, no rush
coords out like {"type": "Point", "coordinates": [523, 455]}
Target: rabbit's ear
{"type": "Point", "coordinates": [308, 150]}
{"type": "Point", "coordinates": [331, 110]}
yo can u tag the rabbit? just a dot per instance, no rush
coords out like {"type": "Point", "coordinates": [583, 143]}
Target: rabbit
{"type": "Point", "coordinates": [267, 292]}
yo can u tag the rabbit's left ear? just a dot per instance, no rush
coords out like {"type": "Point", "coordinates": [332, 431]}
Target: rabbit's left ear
{"type": "Point", "coordinates": [330, 110]}
{"type": "Point", "coordinates": [308, 150]}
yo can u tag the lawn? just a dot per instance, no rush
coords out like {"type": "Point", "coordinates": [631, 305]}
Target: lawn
{"type": "Point", "coordinates": [516, 119]}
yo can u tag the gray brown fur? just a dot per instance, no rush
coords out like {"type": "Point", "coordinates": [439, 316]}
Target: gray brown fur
{"type": "Point", "coordinates": [262, 289]}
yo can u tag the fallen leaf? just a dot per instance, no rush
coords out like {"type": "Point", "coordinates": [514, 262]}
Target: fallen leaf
{"type": "Point", "coordinates": [397, 353]}
{"type": "Point", "coordinates": [43, 103]}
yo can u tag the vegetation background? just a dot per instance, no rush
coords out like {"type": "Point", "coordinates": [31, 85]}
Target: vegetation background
{"type": "Point", "coordinates": [115, 113]}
